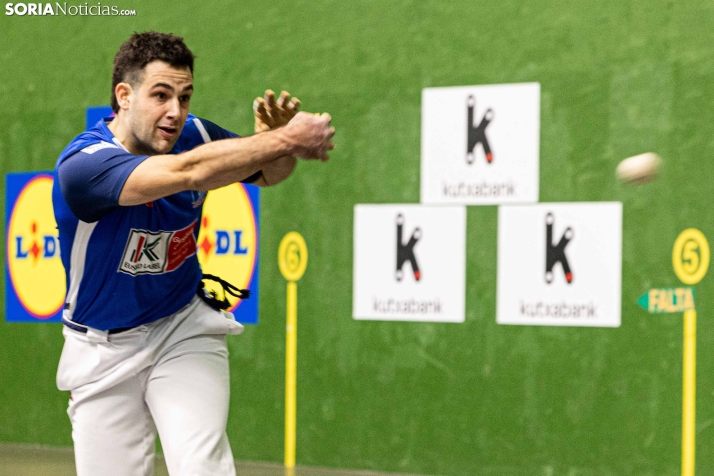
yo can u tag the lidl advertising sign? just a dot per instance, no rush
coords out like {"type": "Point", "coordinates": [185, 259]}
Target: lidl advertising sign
{"type": "Point", "coordinates": [34, 277]}
{"type": "Point", "coordinates": [228, 244]}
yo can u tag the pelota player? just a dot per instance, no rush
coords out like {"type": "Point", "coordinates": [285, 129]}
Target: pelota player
{"type": "Point", "coordinates": [143, 351]}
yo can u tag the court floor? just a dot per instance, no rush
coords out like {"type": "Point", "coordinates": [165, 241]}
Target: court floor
{"type": "Point", "coordinates": [22, 460]}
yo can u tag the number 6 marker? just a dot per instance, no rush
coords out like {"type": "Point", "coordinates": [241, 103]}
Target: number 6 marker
{"type": "Point", "coordinates": [292, 261]}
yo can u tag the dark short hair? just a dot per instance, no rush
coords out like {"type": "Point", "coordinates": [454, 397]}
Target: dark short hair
{"type": "Point", "coordinates": [143, 48]}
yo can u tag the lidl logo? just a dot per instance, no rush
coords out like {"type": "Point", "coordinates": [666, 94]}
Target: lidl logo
{"type": "Point", "coordinates": [34, 277]}
{"type": "Point", "coordinates": [228, 244]}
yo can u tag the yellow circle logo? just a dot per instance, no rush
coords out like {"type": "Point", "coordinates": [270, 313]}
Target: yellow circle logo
{"type": "Point", "coordinates": [292, 256]}
{"type": "Point", "coordinates": [228, 240]}
{"type": "Point", "coordinates": [33, 253]}
{"type": "Point", "coordinates": [690, 256]}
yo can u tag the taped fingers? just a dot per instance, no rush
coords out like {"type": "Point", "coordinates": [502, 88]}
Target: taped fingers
{"type": "Point", "coordinates": [259, 107]}
{"type": "Point", "coordinates": [262, 118]}
{"type": "Point", "coordinates": [292, 107]}
{"type": "Point", "coordinates": [269, 100]}
{"type": "Point", "coordinates": [277, 112]}
{"type": "Point", "coordinates": [283, 99]}
{"type": "Point", "coordinates": [286, 108]}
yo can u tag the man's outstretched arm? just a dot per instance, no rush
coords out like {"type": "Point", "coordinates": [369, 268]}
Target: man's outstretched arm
{"type": "Point", "coordinates": [220, 163]}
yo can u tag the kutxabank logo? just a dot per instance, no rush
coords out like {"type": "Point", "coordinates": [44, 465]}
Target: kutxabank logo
{"type": "Point", "coordinates": [560, 264]}
{"type": "Point", "coordinates": [556, 253]}
{"type": "Point", "coordinates": [148, 252]}
{"type": "Point", "coordinates": [409, 263]}
{"type": "Point", "coordinates": [405, 252]}
{"type": "Point", "coordinates": [480, 144]}
{"type": "Point", "coordinates": [35, 278]}
{"type": "Point", "coordinates": [476, 134]}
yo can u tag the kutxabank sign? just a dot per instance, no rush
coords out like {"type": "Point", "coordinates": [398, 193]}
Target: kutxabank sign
{"type": "Point", "coordinates": [409, 263]}
{"type": "Point", "coordinates": [559, 264]}
{"type": "Point", "coordinates": [480, 144]}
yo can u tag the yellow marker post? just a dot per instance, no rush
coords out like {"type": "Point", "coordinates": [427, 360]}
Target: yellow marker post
{"type": "Point", "coordinates": [292, 261]}
{"type": "Point", "coordinates": [689, 391]}
{"type": "Point", "coordinates": [690, 259]}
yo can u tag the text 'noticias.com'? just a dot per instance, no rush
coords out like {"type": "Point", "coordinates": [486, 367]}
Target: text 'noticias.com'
{"type": "Point", "coordinates": [65, 9]}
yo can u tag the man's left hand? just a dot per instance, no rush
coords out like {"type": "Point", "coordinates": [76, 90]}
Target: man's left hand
{"type": "Point", "coordinates": [271, 113]}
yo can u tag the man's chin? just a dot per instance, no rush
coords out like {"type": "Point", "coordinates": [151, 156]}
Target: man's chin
{"type": "Point", "coordinates": [164, 146]}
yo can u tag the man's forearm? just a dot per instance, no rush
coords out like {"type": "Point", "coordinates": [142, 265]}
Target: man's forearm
{"type": "Point", "coordinates": [227, 161]}
{"type": "Point", "coordinates": [204, 168]}
{"type": "Point", "coordinates": [276, 171]}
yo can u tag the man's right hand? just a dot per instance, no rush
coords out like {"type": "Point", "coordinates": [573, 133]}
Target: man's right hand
{"type": "Point", "coordinates": [310, 135]}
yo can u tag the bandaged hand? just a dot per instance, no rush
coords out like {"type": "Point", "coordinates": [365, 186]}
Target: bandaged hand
{"type": "Point", "coordinates": [271, 113]}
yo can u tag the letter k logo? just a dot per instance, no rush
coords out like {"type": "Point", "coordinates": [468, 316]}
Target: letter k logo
{"type": "Point", "coordinates": [477, 134]}
{"type": "Point", "coordinates": [556, 253]}
{"type": "Point", "coordinates": [406, 252]}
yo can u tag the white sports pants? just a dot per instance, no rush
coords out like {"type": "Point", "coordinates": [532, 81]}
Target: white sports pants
{"type": "Point", "coordinates": [170, 375]}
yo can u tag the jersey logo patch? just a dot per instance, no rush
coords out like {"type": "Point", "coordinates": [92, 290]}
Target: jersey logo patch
{"type": "Point", "coordinates": [157, 252]}
{"type": "Point", "coordinates": [99, 146]}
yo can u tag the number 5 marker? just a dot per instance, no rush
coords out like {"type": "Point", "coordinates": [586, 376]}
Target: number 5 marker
{"type": "Point", "coordinates": [690, 259]}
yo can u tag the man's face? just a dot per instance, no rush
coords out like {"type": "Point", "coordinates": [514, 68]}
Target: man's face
{"type": "Point", "coordinates": [159, 106]}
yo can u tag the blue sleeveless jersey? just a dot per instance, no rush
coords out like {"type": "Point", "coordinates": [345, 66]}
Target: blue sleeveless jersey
{"type": "Point", "coordinates": [125, 266]}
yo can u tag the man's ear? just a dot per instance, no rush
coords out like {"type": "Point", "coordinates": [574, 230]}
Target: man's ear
{"type": "Point", "coordinates": [123, 92]}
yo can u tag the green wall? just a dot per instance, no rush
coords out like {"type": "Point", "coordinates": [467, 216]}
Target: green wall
{"type": "Point", "coordinates": [617, 78]}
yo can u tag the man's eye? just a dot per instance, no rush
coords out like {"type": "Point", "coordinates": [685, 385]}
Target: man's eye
{"type": "Point", "coordinates": [185, 98]}
{"type": "Point", "coordinates": [161, 95]}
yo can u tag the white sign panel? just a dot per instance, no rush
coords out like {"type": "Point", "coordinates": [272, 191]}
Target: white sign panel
{"type": "Point", "coordinates": [560, 264]}
{"type": "Point", "coordinates": [480, 144]}
{"type": "Point", "coordinates": [409, 263]}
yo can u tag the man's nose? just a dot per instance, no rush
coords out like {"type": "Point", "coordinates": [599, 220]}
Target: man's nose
{"type": "Point", "coordinates": [174, 109]}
